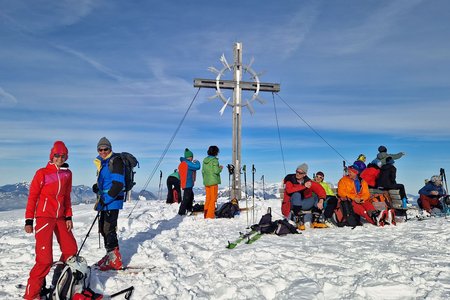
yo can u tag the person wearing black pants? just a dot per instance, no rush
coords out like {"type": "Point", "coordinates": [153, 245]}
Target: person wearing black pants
{"type": "Point", "coordinates": [173, 185]}
{"type": "Point", "coordinates": [331, 200]}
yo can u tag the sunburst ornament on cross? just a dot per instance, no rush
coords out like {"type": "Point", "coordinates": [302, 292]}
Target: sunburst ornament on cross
{"type": "Point", "coordinates": [237, 85]}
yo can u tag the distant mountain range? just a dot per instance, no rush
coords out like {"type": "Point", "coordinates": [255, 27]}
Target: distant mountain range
{"type": "Point", "coordinates": [15, 196]}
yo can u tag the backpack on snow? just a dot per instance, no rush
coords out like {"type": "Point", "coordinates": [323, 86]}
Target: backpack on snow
{"type": "Point", "coordinates": [129, 163]}
{"type": "Point", "coordinates": [279, 227]}
{"type": "Point", "coordinates": [74, 279]}
{"type": "Point", "coordinates": [344, 214]}
{"type": "Point", "coordinates": [228, 209]}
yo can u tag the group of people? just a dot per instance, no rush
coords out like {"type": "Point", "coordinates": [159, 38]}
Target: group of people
{"type": "Point", "coordinates": [49, 206]}
{"type": "Point", "coordinates": [184, 178]}
{"type": "Point", "coordinates": [303, 194]}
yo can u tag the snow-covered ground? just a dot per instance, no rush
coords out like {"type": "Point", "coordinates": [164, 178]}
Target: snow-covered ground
{"type": "Point", "coordinates": [186, 258]}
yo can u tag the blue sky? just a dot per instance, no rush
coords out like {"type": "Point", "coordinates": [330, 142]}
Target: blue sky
{"type": "Point", "coordinates": [361, 73]}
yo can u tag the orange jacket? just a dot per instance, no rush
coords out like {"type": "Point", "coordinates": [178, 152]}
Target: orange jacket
{"type": "Point", "coordinates": [347, 189]}
{"type": "Point", "coordinates": [50, 193]}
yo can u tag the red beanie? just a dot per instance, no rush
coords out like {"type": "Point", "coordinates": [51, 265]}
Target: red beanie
{"type": "Point", "coordinates": [353, 170]}
{"type": "Point", "coordinates": [59, 148]}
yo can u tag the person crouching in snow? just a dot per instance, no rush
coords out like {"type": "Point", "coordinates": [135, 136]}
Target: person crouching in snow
{"type": "Point", "coordinates": [110, 193]}
{"type": "Point", "coordinates": [351, 187]}
{"type": "Point", "coordinates": [430, 194]}
{"type": "Point", "coordinates": [298, 198]}
{"type": "Point", "coordinates": [50, 204]}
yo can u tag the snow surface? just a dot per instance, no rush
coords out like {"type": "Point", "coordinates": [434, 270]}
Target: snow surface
{"type": "Point", "coordinates": [185, 257]}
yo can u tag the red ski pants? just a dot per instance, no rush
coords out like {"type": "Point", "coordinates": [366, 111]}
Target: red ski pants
{"type": "Point", "coordinates": [43, 232]}
{"type": "Point", "coordinates": [428, 203]}
{"type": "Point", "coordinates": [210, 203]}
{"type": "Point", "coordinates": [362, 209]}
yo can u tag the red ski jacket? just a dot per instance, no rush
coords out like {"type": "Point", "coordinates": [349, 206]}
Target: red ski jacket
{"type": "Point", "coordinates": [50, 193]}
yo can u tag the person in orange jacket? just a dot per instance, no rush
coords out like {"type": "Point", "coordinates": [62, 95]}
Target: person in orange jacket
{"type": "Point", "coordinates": [298, 197]}
{"type": "Point", "coordinates": [351, 187]}
{"type": "Point", "coordinates": [50, 204]}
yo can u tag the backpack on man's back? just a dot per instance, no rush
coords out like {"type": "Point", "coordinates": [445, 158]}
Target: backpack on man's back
{"type": "Point", "coordinates": [129, 163]}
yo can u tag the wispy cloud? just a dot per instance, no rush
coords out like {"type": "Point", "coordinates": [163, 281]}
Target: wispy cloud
{"type": "Point", "coordinates": [376, 26]}
{"type": "Point", "coordinates": [6, 98]}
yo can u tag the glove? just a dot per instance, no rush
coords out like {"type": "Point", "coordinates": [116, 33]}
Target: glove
{"type": "Point", "coordinates": [95, 188]}
{"type": "Point", "coordinates": [29, 222]}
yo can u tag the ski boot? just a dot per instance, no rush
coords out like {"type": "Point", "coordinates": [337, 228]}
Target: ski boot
{"type": "Point", "coordinates": [379, 217]}
{"type": "Point", "coordinates": [316, 223]}
{"type": "Point", "coordinates": [300, 221]}
{"type": "Point", "coordinates": [113, 262]}
{"type": "Point", "coordinates": [101, 261]}
{"type": "Point", "coordinates": [390, 216]}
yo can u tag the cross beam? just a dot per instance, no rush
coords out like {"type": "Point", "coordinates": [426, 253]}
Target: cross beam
{"type": "Point", "coordinates": [237, 85]}
{"type": "Point", "coordinates": [231, 85]}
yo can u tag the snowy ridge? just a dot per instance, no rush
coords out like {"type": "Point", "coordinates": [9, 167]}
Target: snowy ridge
{"type": "Point", "coordinates": [409, 261]}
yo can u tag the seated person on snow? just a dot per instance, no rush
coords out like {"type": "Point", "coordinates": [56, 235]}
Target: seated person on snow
{"type": "Point", "coordinates": [387, 178]}
{"type": "Point", "coordinates": [360, 163]}
{"type": "Point", "coordinates": [299, 197]}
{"type": "Point", "coordinates": [331, 201]}
{"type": "Point", "coordinates": [382, 155]}
{"type": "Point", "coordinates": [371, 173]}
{"type": "Point", "coordinates": [353, 188]}
{"type": "Point", "coordinates": [430, 194]}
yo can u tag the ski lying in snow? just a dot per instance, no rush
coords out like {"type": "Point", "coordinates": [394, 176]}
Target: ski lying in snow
{"type": "Point", "coordinates": [254, 238]}
{"type": "Point", "coordinates": [242, 237]}
{"type": "Point", "coordinates": [126, 269]}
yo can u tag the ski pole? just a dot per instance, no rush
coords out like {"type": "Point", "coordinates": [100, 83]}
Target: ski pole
{"type": "Point", "coordinates": [87, 235]}
{"type": "Point", "coordinates": [253, 191]}
{"type": "Point", "coordinates": [264, 190]}
{"type": "Point", "coordinates": [160, 179]}
{"type": "Point", "coordinates": [244, 168]}
{"type": "Point", "coordinates": [128, 292]}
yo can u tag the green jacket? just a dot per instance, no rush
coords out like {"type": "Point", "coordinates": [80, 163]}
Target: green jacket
{"type": "Point", "coordinates": [211, 171]}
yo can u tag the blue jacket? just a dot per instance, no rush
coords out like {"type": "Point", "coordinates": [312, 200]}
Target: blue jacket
{"type": "Point", "coordinates": [429, 187]}
{"type": "Point", "coordinates": [110, 183]}
{"type": "Point", "coordinates": [187, 175]}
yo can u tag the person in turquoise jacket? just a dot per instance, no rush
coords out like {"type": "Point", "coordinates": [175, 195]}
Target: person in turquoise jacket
{"type": "Point", "coordinates": [211, 180]}
{"type": "Point", "coordinates": [188, 170]}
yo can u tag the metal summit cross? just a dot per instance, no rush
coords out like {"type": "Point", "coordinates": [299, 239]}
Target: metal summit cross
{"type": "Point", "coordinates": [237, 85]}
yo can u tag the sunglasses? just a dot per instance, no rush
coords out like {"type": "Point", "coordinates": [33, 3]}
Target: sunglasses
{"type": "Point", "coordinates": [300, 172]}
{"type": "Point", "coordinates": [58, 155]}
{"type": "Point", "coordinates": [103, 149]}
{"type": "Point", "coordinates": [320, 177]}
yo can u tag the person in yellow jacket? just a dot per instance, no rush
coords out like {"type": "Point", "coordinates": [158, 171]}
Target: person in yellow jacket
{"type": "Point", "coordinates": [331, 200]}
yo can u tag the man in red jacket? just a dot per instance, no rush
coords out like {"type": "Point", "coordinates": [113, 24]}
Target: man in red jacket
{"type": "Point", "coordinates": [49, 203]}
{"type": "Point", "coordinates": [298, 197]}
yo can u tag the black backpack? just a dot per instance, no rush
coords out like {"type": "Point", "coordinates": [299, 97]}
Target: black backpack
{"type": "Point", "coordinates": [228, 210]}
{"type": "Point", "coordinates": [344, 214]}
{"type": "Point", "coordinates": [129, 163]}
{"type": "Point", "coordinates": [279, 227]}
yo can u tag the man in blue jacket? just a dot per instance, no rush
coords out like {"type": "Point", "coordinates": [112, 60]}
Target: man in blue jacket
{"type": "Point", "coordinates": [110, 194]}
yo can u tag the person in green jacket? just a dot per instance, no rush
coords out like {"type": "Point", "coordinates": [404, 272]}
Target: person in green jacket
{"type": "Point", "coordinates": [211, 180]}
{"type": "Point", "coordinates": [173, 188]}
